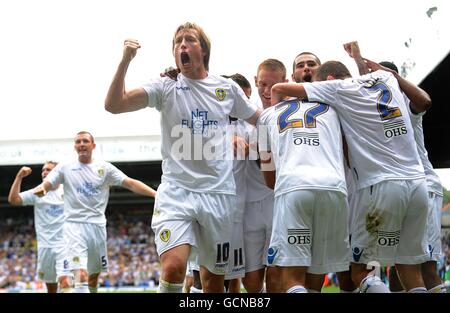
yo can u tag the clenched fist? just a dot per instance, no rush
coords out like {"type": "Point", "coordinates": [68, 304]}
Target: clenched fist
{"type": "Point", "coordinates": [130, 47]}
{"type": "Point", "coordinates": [24, 172]}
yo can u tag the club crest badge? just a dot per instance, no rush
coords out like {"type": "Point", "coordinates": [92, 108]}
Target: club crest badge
{"type": "Point", "coordinates": [220, 94]}
{"type": "Point", "coordinates": [164, 235]}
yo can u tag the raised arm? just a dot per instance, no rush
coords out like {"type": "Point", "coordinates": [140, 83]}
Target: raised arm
{"type": "Point", "coordinates": [138, 187]}
{"type": "Point", "coordinates": [353, 51]}
{"type": "Point", "coordinates": [281, 90]}
{"type": "Point", "coordinates": [14, 197]}
{"type": "Point", "coordinates": [118, 100]}
{"type": "Point", "coordinates": [420, 100]}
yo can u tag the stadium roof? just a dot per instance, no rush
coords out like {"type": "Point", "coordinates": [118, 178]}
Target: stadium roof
{"type": "Point", "coordinates": [436, 122]}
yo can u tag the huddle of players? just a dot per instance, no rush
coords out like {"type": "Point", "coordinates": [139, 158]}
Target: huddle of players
{"type": "Point", "coordinates": [381, 204]}
{"type": "Point", "coordinates": [297, 232]}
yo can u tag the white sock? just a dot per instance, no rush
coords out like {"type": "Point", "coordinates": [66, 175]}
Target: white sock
{"type": "Point", "coordinates": [438, 289]}
{"type": "Point", "coordinates": [166, 287]}
{"type": "Point", "coordinates": [93, 289]}
{"type": "Point", "coordinates": [297, 289]}
{"type": "Point", "coordinates": [66, 290]}
{"type": "Point", "coordinates": [418, 290]}
{"type": "Point", "coordinates": [373, 284]}
{"type": "Point", "coordinates": [81, 288]}
{"type": "Point", "coordinates": [195, 290]}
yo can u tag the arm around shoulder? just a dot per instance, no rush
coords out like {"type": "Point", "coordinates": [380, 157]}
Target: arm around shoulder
{"type": "Point", "coordinates": [281, 90]}
{"type": "Point", "coordinates": [41, 190]}
{"type": "Point", "coordinates": [420, 100]}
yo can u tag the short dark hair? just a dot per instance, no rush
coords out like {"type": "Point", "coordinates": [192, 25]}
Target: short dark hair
{"type": "Point", "coordinates": [334, 68]}
{"type": "Point", "coordinates": [303, 53]}
{"type": "Point", "coordinates": [389, 65]}
{"type": "Point", "coordinates": [239, 79]}
{"type": "Point", "coordinates": [83, 132]}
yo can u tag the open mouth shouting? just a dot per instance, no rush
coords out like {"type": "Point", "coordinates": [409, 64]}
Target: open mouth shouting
{"type": "Point", "coordinates": [184, 58]}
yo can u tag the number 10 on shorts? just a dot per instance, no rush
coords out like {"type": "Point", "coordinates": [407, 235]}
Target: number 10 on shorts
{"type": "Point", "coordinates": [223, 251]}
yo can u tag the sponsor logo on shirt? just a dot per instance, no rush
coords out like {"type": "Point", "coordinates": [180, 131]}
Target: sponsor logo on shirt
{"type": "Point", "coordinates": [303, 138]}
{"type": "Point", "coordinates": [199, 123]}
{"type": "Point", "coordinates": [395, 128]}
{"type": "Point", "coordinates": [183, 88]}
{"type": "Point", "coordinates": [55, 210]}
{"type": "Point", "coordinates": [89, 190]}
{"type": "Point", "coordinates": [101, 172]}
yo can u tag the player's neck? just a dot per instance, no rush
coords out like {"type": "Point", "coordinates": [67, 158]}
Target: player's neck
{"type": "Point", "coordinates": [198, 73]}
{"type": "Point", "coordinates": [85, 160]}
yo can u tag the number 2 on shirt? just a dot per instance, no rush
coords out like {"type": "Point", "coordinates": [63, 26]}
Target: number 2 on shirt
{"type": "Point", "coordinates": [385, 97]}
{"type": "Point", "coordinates": [309, 119]}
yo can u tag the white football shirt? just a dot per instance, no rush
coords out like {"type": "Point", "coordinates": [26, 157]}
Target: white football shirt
{"type": "Point", "coordinates": [306, 144]}
{"type": "Point", "coordinates": [195, 145]}
{"type": "Point", "coordinates": [86, 189]}
{"type": "Point", "coordinates": [433, 180]}
{"type": "Point", "coordinates": [239, 164]}
{"type": "Point", "coordinates": [48, 216]}
{"type": "Point", "coordinates": [256, 185]}
{"type": "Point", "coordinates": [374, 117]}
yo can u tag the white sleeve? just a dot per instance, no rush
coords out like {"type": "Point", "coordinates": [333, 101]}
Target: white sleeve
{"type": "Point", "coordinates": [115, 176]}
{"type": "Point", "coordinates": [263, 132]}
{"type": "Point", "coordinates": [28, 197]}
{"type": "Point", "coordinates": [324, 91]}
{"type": "Point", "coordinates": [243, 108]}
{"type": "Point", "coordinates": [154, 90]}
